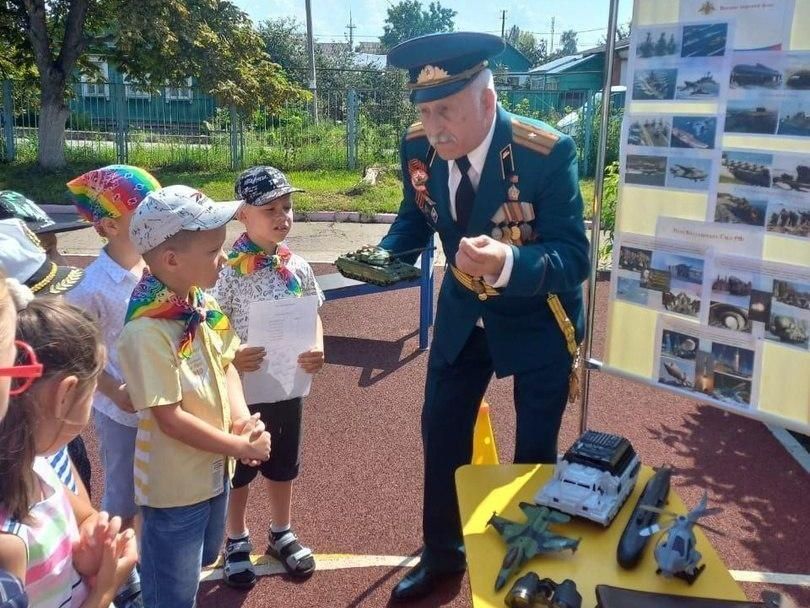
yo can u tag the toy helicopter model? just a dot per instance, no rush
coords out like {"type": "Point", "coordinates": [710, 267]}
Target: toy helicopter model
{"type": "Point", "coordinates": [675, 553]}
{"type": "Point", "coordinates": [526, 540]}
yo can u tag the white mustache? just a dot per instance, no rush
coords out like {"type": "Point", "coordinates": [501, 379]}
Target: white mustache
{"type": "Point", "coordinates": [441, 139]}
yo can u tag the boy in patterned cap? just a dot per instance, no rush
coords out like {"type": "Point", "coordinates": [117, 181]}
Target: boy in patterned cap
{"type": "Point", "coordinates": [262, 267]}
{"type": "Point", "coordinates": [107, 197]}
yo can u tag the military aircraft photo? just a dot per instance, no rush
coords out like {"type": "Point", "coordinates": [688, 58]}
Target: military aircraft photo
{"type": "Point", "coordinates": [526, 540]}
{"type": "Point", "coordinates": [686, 172]}
{"type": "Point", "coordinates": [675, 553]}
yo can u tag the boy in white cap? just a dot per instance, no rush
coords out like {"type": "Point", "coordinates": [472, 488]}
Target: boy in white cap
{"type": "Point", "coordinates": [175, 352]}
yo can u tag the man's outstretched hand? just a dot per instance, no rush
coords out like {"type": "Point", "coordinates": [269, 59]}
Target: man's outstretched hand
{"type": "Point", "coordinates": [481, 256]}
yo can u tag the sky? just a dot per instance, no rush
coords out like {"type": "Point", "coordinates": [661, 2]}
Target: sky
{"type": "Point", "coordinates": [331, 17]}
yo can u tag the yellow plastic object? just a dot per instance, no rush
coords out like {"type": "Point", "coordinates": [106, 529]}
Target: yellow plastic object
{"type": "Point", "coordinates": [500, 488]}
{"type": "Point", "coordinates": [484, 450]}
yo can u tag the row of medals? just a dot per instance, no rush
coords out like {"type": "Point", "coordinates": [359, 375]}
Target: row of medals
{"type": "Point", "coordinates": [512, 220]}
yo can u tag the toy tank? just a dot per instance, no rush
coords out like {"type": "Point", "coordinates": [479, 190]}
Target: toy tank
{"type": "Point", "coordinates": [376, 266]}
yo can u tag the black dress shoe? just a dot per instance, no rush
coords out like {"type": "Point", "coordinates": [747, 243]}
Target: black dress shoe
{"type": "Point", "coordinates": [419, 582]}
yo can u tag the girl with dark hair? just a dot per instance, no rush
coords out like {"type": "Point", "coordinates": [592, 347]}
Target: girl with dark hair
{"type": "Point", "coordinates": [66, 553]}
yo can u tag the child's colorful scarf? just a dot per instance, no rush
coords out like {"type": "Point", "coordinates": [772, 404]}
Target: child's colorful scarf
{"type": "Point", "coordinates": [247, 257]}
{"type": "Point", "coordinates": [152, 299]}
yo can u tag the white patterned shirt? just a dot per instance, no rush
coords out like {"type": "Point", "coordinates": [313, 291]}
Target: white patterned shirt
{"type": "Point", "coordinates": [234, 293]}
{"type": "Point", "coordinates": [104, 293]}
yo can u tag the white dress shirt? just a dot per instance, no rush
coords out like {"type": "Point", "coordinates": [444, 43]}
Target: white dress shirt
{"type": "Point", "coordinates": [104, 292]}
{"type": "Point", "coordinates": [477, 158]}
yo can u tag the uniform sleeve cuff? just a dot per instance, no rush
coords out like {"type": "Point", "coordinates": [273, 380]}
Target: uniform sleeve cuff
{"type": "Point", "coordinates": [502, 280]}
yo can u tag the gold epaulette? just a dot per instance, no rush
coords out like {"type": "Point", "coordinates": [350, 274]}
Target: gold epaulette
{"type": "Point", "coordinates": [414, 131]}
{"type": "Point", "coordinates": [533, 137]}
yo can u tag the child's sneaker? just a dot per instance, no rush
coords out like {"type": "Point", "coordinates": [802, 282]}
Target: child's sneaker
{"type": "Point", "coordinates": [297, 560]}
{"type": "Point", "coordinates": [238, 570]}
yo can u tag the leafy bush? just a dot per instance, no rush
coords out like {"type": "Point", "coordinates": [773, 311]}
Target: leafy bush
{"type": "Point", "coordinates": [610, 199]}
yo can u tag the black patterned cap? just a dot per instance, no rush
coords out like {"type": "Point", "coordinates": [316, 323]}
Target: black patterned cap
{"type": "Point", "coordinates": [259, 186]}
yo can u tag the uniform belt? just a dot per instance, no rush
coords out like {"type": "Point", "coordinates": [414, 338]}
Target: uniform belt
{"type": "Point", "coordinates": [484, 291]}
{"type": "Point", "coordinates": [475, 284]}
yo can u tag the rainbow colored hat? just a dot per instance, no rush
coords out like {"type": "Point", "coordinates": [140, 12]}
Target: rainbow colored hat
{"type": "Point", "coordinates": [110, 191]}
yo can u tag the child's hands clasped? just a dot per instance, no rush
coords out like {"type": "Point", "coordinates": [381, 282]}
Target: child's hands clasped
{"type": "Point", "coordinates": [312, 360]}
{"type": "Point", "coordinates": [104, 555]}
{"type": "Point", "coordinates": [248, 358]}
{"type": "Point", "coordinates": [256, 447]}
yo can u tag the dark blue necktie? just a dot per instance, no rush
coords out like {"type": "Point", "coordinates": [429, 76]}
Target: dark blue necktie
{"type": "Point", "coordinates": [465, 194]}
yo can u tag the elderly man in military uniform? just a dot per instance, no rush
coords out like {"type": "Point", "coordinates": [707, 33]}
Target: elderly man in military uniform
{"type": "Point", "coordinates": [502, 192]}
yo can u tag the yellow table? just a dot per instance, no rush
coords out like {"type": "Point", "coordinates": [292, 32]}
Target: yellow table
{"type": "Point", "coordinates": [483, 489]}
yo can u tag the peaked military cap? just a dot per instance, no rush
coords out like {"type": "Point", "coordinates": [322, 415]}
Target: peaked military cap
{"type": "Point", "coordinates": [440, 65]}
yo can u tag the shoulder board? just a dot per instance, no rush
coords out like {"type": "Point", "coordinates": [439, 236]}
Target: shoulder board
{"type": "Point", "coordinates": [533, 137]}
{"type": "Point", "coordinates": [414, 131]}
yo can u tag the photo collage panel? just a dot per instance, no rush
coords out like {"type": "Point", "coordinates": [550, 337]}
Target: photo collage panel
{"type": "Point", "coordinates": [661, 276]}
{"type": "Point", "coordinates": [717, 366]}
{"type": "Point", "coordinates": [680, 62]}
{"type": "Point", "coordinates": [769, 94]}
{"type": "Point", "coordinates": [764, 190]}
{"type": "Point", "coordinates": [766, 300]}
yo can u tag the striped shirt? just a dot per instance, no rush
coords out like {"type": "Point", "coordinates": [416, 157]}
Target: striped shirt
{"type": "Point", "coordinates": [51, 581]}
{"type": "Point", "coordinates": [61, 464]}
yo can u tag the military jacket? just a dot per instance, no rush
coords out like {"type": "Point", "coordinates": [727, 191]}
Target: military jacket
{"type": "Point", "coordinates": [529, 197]}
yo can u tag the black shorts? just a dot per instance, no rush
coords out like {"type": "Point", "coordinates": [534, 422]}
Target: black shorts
{"type": "Point", "coordinates": [282, 420]}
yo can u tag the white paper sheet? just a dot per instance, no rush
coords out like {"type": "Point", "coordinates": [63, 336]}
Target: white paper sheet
{"type": "Point", "coordinates": [285, 328]}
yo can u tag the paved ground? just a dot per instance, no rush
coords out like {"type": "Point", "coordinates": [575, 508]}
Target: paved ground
{"type": "Point", "coordinates": [360, 489]}
{"type": "Point", "coordinates": [316, 241]}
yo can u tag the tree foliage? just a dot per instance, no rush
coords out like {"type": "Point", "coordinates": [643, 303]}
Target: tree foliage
{"type": "Point", "coordinates": [154, 42]}
{"type": "Point", "coordinates": [407, 20]}
{"type": "Point", "coordinates": [568, 43]}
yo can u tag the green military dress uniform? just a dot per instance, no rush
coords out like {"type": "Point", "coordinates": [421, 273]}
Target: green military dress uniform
{"type": "Point", "coordinates": [528, 196]}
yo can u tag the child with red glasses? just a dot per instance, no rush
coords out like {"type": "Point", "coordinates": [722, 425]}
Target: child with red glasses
{"type": "Point", "coordinates": [66, 553]}
{"type": "Point", "coordinates": [12, 594]}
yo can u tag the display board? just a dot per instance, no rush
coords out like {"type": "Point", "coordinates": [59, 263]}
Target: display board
{"type": "Point", "coordinates": [710, 288]}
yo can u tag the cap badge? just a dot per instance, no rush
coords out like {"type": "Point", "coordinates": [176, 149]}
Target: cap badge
{"type": "Point", "coordinates": [431, 73]}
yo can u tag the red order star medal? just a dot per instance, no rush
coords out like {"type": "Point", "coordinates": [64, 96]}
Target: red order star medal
{"type": "Point", "coordinates": [419, 177]}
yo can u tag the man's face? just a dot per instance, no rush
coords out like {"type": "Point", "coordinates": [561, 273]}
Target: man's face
{"type": "Point", "coordinates": [202, 258]}
{"type": "Point", "coordinates": [457, 124]}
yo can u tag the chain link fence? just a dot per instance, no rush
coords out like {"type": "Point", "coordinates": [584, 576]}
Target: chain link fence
{"type": "Point", "coordinates": [184, 129]}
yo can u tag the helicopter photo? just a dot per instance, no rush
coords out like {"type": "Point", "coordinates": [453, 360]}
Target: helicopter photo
{"type": "Point", "coordinates": [526, 540]}
{"type": "Point", "coordinates": [675, 553]}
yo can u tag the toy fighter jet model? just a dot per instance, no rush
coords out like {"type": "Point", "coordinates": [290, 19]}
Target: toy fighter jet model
{"type": "Point", "coordinates": [675, 553]}
{"type": "Point", "coordinates": [526, 540]}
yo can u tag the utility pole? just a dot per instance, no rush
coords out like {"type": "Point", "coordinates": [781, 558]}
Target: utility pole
{"type": "Point", "coordinates": [551, 48]}
{"type": "Point", "coordinates": [351, 27]}
{"type": "Point", "coordinates": [313, 85]}
{"type": "Point", "coordinates": [503, 24]}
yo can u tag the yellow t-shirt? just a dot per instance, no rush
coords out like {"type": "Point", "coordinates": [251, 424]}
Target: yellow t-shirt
{"type": "Point", "coordinates": [169, 473]}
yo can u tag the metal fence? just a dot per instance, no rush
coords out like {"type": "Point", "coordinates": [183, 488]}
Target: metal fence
{"type": "Point", "coordinates": [185, 129]}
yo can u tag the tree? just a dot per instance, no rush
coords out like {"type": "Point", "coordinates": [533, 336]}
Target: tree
{"type": "Point", "coordinates": [568, 43]}
{"type": "Point", "coordinates": [154, 42]}
{"type": "Point", "coordinates": [407, 20]}
{"type": "Point", "coordinates": [534, 49]}
{"type": "Point", "coordinates": [622, 33]}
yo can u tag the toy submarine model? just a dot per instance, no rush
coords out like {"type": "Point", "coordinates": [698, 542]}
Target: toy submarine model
{"type": "Point", "coordinates": [631, 543]}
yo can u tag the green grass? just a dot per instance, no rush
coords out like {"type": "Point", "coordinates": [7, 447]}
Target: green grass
{"type": "Point", "coordinates": [326, 190]}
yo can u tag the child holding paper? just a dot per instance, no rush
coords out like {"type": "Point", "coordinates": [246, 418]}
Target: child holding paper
{"type": "Point", "coordinates": [261, 267]}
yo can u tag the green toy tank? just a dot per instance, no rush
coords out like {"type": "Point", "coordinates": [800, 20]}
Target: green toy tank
{"type": "Point", "coordinates": [376, 266]}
